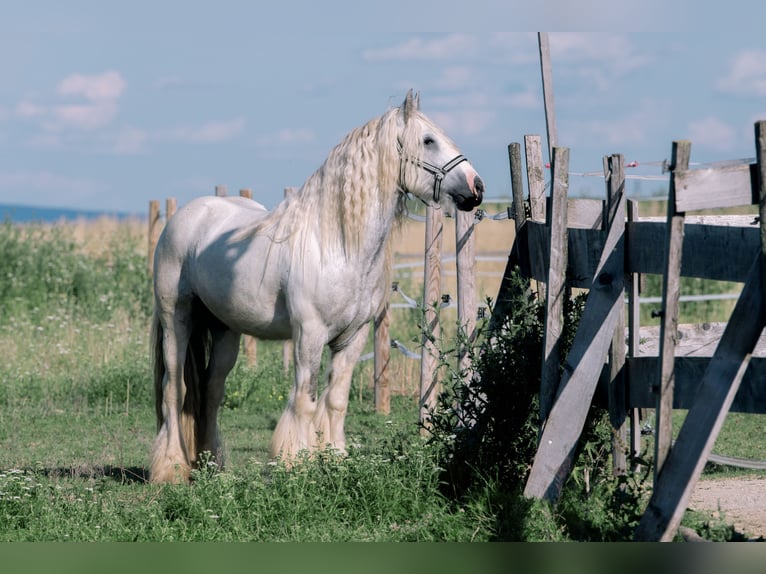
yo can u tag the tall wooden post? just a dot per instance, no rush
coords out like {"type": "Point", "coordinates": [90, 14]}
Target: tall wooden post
{"type": "Point", "coordinates": [536, 186]}
{"type": "Point", "coordinates": [671, 292]}
{"type": "Point", "coordinates": [614, 174]}
{"type": "Point", "coordinates": [170, 208]}
{"type": "Point", "coordinates": [465, 239]}
{"type": "Point", "coordinates": [633, 282]}
{"type": "Point", "coordinates": [547, 76]}
{"type": "Point", "coordinates": [154, 232]}
{"type": "Point", "coordinates": [556, 286]}
{"type": "Point", "coordinates": [431, 327]}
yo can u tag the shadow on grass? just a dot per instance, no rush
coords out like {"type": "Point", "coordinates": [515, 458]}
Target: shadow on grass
{"type": "Point", "coordinates": [120, 474]}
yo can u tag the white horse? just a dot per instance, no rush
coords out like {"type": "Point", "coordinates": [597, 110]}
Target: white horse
{"type": "Point", "coordinates": [316, 270]}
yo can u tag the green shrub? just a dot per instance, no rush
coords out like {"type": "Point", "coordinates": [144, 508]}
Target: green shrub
{"type": "Point", "coordinates": [488, 429]}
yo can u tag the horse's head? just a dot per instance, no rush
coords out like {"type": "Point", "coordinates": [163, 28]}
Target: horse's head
{"type": "Point", "coordinates": [432, 167]}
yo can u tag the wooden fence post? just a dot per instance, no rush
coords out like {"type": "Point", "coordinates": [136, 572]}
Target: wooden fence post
{"type": "Point", "coordinates": [536, 186]}
{"type": "Point", "coordinates": [170, 208]}
{"type": "Point", "coordinates": [671, 292]}
{"type": "Point", "coordinates": [633, 281]}
{"type": "Point", "coordinates": [154, 232]}
{"type": "Point", "coordinates": [614, 174]}
{"type": "Point", "coordinates": [220, 190]}
{"type": "Point", "coordinates": [381, 359]}
{"type": "Point", "coordinates": [556, 290]}
{"type": "Point", "coordinates": [465, 240]}
{"type": "Point", "coordinates": [547, 77]}
{"type": "Point", "coordinates": [505, 296]}
{"type": "Point", "coordinates": [431, 327]}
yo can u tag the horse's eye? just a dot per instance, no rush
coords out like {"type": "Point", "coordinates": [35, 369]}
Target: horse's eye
{"type": "Point", "coordinates": [428, 140]}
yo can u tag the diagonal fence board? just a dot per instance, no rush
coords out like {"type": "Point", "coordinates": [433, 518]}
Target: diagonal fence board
{"type": "Point", "coordinates": [685, 461]}
{"type": "Point", "coordinates": [582, 368]}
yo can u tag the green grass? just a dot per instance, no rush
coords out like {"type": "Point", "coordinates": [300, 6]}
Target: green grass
{"type": "Point", "coordinates": [77, 423]}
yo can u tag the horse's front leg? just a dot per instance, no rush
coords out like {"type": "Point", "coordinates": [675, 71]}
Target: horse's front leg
{"type": "Point", "coordinates": [295, 430]}
{"type": "Point", "coordinates": [331, 411]}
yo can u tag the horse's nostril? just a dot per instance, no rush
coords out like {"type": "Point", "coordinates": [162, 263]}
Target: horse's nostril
{"type": "Point", "coordinates": [478, 185]}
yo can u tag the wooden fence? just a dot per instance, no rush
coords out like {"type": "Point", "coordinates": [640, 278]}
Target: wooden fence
{"type": "Point", "coordinates": [604, 246]}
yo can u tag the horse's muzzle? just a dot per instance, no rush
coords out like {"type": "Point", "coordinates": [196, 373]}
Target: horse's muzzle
{"type": "Point", "coordinates": [470, 200]}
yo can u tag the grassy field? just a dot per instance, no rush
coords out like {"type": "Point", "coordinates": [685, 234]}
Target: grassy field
{"type": "Point", "coordinates": [76, 420]}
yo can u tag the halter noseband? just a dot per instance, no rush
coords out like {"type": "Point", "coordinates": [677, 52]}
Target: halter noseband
{"type": "Point", "coordinates": [438, 172]}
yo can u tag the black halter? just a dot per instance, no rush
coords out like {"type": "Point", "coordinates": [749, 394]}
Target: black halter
{"type": "Point", "coordinates": [438, 172]}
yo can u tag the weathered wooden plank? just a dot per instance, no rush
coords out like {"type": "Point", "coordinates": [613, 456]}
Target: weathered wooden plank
{"type": "Point", "coordinates": [683, 466]}
{"type": "Point", "coordinates": [633, 288]}
{"type": "Point", "coordinates": [690, 370]}
{"type": "Point", "coordinates": [760, 190]}
{"type": "Point", "coordinates": [614, 174]}
{"type": "Point", "coordinates": [694, 340]}
{"type": "Point", "coordinates": [556, 282]}
{"type": "Point", "coordinates": [727, 186]}
{"type": "Point", "coordinates": [722, 253]}
{"type": "Point", "coordinates": [713, 252]}
{"type": "Point", "coordinates": [583, 213]}
{"type": "Point", "coordinates": [671, 292]}
{"type": "Point", "coordinates": [582, 368]}
{"type": "Point", "coordinates": [583, 246]}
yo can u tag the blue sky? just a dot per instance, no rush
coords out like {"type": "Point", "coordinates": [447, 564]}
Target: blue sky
{"type": "Point", "coordinates": [105, 106]}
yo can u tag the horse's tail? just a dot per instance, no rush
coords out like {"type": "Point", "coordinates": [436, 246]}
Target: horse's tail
{"type": "Point", "coordinates": [192, 419]}
{"type": "Point", "coordinates": [158, 364]}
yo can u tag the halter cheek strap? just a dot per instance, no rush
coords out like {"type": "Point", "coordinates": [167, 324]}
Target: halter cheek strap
{"type": "Point", "coordinates": [439, 173]}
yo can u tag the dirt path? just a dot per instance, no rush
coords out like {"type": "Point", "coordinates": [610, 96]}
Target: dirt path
{"type": "Point", "coordinates": [741, 501]}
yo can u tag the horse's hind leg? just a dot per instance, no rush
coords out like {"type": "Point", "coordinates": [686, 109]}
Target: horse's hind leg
{"type": "Point", "coordinates": [331, 409]}
{"type": "Point", "coordinates": [170, 460]}
{"type": "Point", "coordinates": [223, 356]}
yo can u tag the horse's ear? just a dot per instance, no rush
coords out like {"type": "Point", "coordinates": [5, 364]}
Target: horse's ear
{"type": "Point", "coordinates": [411, 104]}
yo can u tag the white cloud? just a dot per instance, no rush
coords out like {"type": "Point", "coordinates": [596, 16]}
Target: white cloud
{"type": "Point", "coordinates": [211, 132]}
{"type": "Point", "coordinates": [451, 47]}
{"type": "Point", "coordinates": [713, 133]}
{"type": "Point", "coordinates": [287, 137]}
{"type": "Point", "coordinates": [25, 109]}
{"type": "Point", "coordinates": [613, 50]}
{"type": "Point", "coordinates": [87, 116]}
{"type": "Point", "coordinates": [747, 75]}
{"type": "Point", "coordinates": [99, 96]}
{"type": "Point", "coordinates": [106, 86]}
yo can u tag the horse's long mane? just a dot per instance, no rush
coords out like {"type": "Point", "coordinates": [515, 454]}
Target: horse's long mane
{"type": "Point", "coordinates": [360, 179]}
